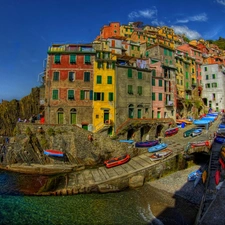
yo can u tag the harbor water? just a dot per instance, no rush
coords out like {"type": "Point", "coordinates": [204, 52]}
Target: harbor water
{"type": "Point", "coordinates": [145, 205]}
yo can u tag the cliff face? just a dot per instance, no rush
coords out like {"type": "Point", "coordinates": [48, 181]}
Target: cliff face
{"type": "Point", "coordinates": [10, 111]}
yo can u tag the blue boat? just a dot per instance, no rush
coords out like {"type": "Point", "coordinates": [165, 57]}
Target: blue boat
{"type": "Point", "coordinates": [158, 147]}
{"type": "Point", "coordinates": [202, 122]}
{"type": "Point", "coordinates": [127, 141]}
{"type": "Point", "coordinates": [210, 118]}
{"type": "Point", "coordinates": [220, 140]}
{"type": "Point", "coordinates": [146, 144]}
{"type": "Point", "coordinates": [212, 114]}
{"type": "Point", "coordinates": [193, 175]}
{"type": "Point", "coordinates": [222, 125]}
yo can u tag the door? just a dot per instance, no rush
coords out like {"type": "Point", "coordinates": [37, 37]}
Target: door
{"type": "Point", "coordinates": [73, 118]}
{"type": "Point", "coordinates": [106, 116]}
{"type": "Point", "coordinates": [60, 118]}
{"type": "Point", "coordinates": [139, 114]}
{"type": "Point", "coordinates": [158, 114]}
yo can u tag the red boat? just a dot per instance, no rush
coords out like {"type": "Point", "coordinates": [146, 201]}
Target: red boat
{"type": "Point", "coordinates": [217, 177]}
{"type": "Point", "coordinates": [222, 163]}
{"type": "Point", "coordinates": [200, 144]}
{"type": "Point", "coordinates": [117, 161]}
{"type": "Point", "coordinates": [52, 152]}
{"type": "Point", "coordinates": [171, 131]}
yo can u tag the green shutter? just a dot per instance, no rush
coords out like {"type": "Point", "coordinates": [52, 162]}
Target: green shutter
{"type": "Point", "coordinates": [140, 75]}
{"type": "Point", "coordinates": [82, 95]}
{"type": "Point", "coordinates": [109, 80]}
{"type": "Point", "coordinates": [186, 75]}
{"type": "Point", "coordinates": [140, 90]}
{"type": "Point", "coordinates": [102, 96]}
{"type": "Point", "coordinates": [153, 96]}
{"type": "Point", "coordinates": [99, 79]}
{"type": "Point", "coordinates": [86, 76]}
{"type": "Point", "coordinates": [110, 96]}
{"type": "Point", "coordinates": [160, 96]}
{"type": "Point", "coordinates": [72, 59]}
{"type": "Point", "coordinates": [130, 89]}
{"type": "Point", "coordinates": [153, 73]}
{"type": "Point", "coordinates": [55, 94]}
{"type": "Point", "coordinates": [55, 76]}
{"type": "Point", "coordinates": [153, 82]}
{"type": "Point", "coordinates": [129, 73]}
{"type": "Point", "coordinates": [95, 96]}
{"type": "Point", "coordinates": [57, 58]}
{"type": "Point", "coordinates": [160, 83]}
{"type": "Point", "coordinates": [87, 59]}
{"type": "Point", "coordinates": [71, 94]}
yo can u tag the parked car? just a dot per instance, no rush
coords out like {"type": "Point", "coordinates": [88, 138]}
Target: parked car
{"type": "Point", "coordinates": [196, 132]}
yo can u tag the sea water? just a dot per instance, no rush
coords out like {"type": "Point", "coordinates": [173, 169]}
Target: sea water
{"type": "Point", "coordinates": [112, 208]}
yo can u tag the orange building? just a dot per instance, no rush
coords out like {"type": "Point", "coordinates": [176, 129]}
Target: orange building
{"type": "Point", "coordinates": [113, 29]}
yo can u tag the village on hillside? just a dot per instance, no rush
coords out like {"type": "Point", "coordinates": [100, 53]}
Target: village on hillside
{"type": "Point", "coordinates": [131, 71]}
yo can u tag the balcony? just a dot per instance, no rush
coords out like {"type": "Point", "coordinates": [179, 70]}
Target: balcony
{"type": "Point", "coordinates": [169, 104]}
{"type": "Point", "coordinates": [74, 49]}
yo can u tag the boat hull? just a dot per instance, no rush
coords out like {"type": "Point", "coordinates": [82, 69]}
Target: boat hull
{"type": "Point", "coordinates": [161, 155]}
{"type": "Point", "coordinates": [51, 152]}
{"type": "Point", "coordinates": [146, 144]}
{"type": "Point", "coordinates": [157, 148]}
{"type": "Point", "coordinates": [117, 161]}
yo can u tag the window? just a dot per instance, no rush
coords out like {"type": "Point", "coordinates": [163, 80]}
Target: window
{"type": "Point", "coordinates": [99, 65]}
{"type": "Point", "coordinates": [206, 77]}
{"type": "Point", "coordinates": [109, 79]}
{"type": "Point", "coordinates": [160, 96]}
{"type": "Point", "coordinates": [205, 68]}
{"type": "Point", "coordinates": [139, 90]}
{"type": "Point", "coordinates": [153, 73]}
{"type": "Point", "coordinates": [98, 96]}
{"type": "Point", "coordinates": [86, 76]}
{"type": "Point", "coordinates": [165, 51]}
{"type": "Point", "coordinates": [129, 73]}
{"type": "Point", "coordinates": [110, 96]}
{"type": "Point", "coordinates": [214, 97]}
{"type": "Point", "coordinates": [213, 76]}
{"type": "Point", "coordinates": [186, 75]}
{"type": "Point", "coordinates": [140, 75]}
{"type": "Point", "coordinates": [153, 82]}
{"type": "Point", "coordinates": [99, 79]}
{"type": "Point", "coordinates": [207, 85]}
{"type": "Point", "coordinates": [193, 70]}
{"type": "Point", "coordinates": [71, 76]}
{"type": "Point", "coordinates": [160, 83]}
{"type": "Point", "coordinates": [130, 89]}
{"type": "Point", "coordinates": [70, 94]}
{"type": "Point", "coordinates": [55, 94]}
{"type": "Point", "coordinates": [72, 59]}
{"type": "Point", "coordinates": [87, 59]}
{"type": "Point", "coordinates": [86, 95]}
{"type": "Point", "coordinates": [214, 85]}
{"type": "Point", "coordinates": [57, 59]}
{"type": "Point", "coordinates": [153, 96]}
{"type": "Point", "coordinates": [55, 76]}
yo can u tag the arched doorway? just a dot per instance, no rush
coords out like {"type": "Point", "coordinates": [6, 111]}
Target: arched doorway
{"type": "Point", "coordinates": [73, 116]}
{"type": "Point", "coordinates": [60, 116]}
{"type": "Point", "coordinates": [139, 111]}
{"type": "Point", "coordinates": [131, 111]}
{"type": "Point", "coordinates": [158, 131]}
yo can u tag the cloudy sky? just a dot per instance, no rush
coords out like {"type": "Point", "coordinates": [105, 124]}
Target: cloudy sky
{"type": "Point", "coordinates": [29, 27]}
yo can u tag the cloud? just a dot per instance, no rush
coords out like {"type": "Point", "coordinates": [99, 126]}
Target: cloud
{"type": "Point", "coordinates": [191, 34]}
{"type": "Point", "coordinates": [155, 22]}
{"type": "Point", "coordinates": [222, 2]}
{"type": "Point", "coordinates": [197, 18]}
{"type": "Point", "coordinates": [146, 13]}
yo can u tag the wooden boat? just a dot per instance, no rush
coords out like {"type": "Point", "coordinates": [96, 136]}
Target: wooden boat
{"type": "Point", "coordinates": [193, 175]}
{"type": "Point", "coordinates": [146, 144]}
{"type": "Point", "coordinates": [158, 147]}
{"type": "Point", "coordinates": [222, 163]}
{"type": "Point", "coordinates": [52, 152]}
{"type": "Point", "coordinates": [217, 177]}
{"type": "Point", "coordinates": [171, 131]}
{"type": "Point", "coordinates": [161, 155]}
{"type": "Point", "coordinates": [204, 176]}
{"type": "Point", "coordinates": [127, 141]}
{"type": "Point", "coordinates": [117, 161]}
{"type": "Point", "coordinates": [186, 121]}
{"type": "Point", "coordinates": [200, 144]}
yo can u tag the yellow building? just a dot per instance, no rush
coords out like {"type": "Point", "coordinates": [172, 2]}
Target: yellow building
{"type": "Point", "coordinates": [104, 91]}
{"type": "Point", "coordinates": [126, 30]}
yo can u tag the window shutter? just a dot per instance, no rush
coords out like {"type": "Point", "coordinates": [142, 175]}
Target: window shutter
{"type": "Point", "coordinates": [109, 79]}
{"type": "Point", "coordinates": [99, 79]}
{"type": "Point", "coordinates": [72, 59]}
{"type": "Point", "coordinates": [57, 58]}
{"type": "Point", "coordinates": [129, 72]}
{"type": "Point", "coordinates": [102, 96]}
{"type": "Point", "coordinates": [95, 96]}
{"type": "Point", "coordinates": [91, 95]}
{"type": "Point", "coordinates": [82, 95]}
